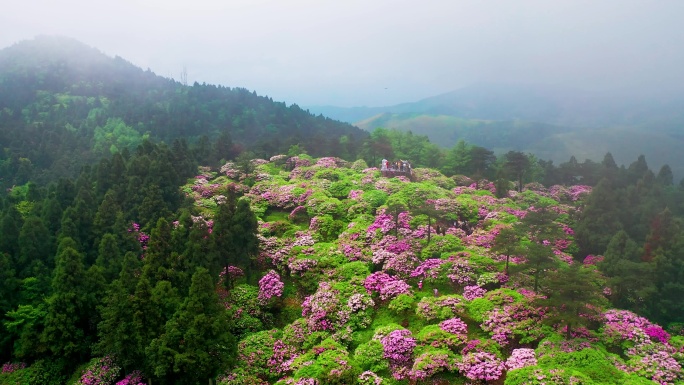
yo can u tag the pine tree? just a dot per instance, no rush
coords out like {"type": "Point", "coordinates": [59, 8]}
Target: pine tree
{"type": "Point", "coordinates": [598, 221]}
{"type": "Point", "coordinates": [573, 293]}
{"type": "Point", "coordinates": [105, 217]}
{"type": "Point", "coordinates": [507, 242]}
{"type": "Point", "coordinates": [244, 227]}
{"type": "Point", "coordinates": [195, 344]}
{"type": "Point", "coordinates": [109, 257]}
{"type": "Point", "coordinates": [11, 224]}
{"type": "Point", "coordinates": [66, 322]}
{"type": "Point", "coordinates": [517, 165]}
{"type": "Point", "coordinates": [35, 248]}
{"type": "Point", "coordinates": [116, 330]}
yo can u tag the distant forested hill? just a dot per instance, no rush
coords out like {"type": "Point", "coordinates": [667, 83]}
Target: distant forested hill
{"type": "Point", "coordinates": [64, 104]}
{"type": "Point", "coordinates": [551, 123]}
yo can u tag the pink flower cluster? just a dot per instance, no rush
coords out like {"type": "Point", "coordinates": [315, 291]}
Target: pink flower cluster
{"type": "Point", "coordinates": [461, 272]}
{"type": "Point", "coordinates": [386, 285]}
{"type": "Point", "coordinates": [481, 366]}
{"type": "Point", "coordinates": [592, 259]}
{"type": "Point", "coordinates": [454, 326]}
{"type": "Point", "coordinates": [270, 286]}
{"type": "Point", "coordinates": [282, 357]}
{"type": "Point", "coordinates": [472, 292]}
{"type": "Point", "coordinates": [369, 378]}
{"type": "Point", "coordinates": [296, 161]}
{"type": "Point", "coordinates": [355, 194]}
{"type": "Point", "coordinates": [9, 367]}
{"type": "Point", "coordinates": [134, 378]}
{"type": "Point", "coordinates": [626, 325]}
{"type": "Point", "coordinates": [521, 358]}
{"type": "Point", "coordinates": [513, 319]}
{"type": "Point", "coordinates": [398, 345]}
{"type": "Point", "coordinates": [143, 238]}
{"type": "Point", "coordinates": [359, 302]}
{"type": "Point", "coordinates": [428, 269]}
{"type": "Point", "coordinates": [322, 309]}
{"type": "Point", "coordinates": [101, 371]}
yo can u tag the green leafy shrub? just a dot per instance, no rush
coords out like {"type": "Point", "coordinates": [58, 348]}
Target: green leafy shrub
{"type": "Point", "coordinates": [369, 356]}
{"type": "Point", "coordinates": [478, 307]}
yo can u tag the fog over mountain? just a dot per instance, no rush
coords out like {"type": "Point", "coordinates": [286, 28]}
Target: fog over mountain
{"type": "Point", "coordinates": [378, 53]}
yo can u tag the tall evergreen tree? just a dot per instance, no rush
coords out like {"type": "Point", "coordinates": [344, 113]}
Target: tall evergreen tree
{"type": "Point", "coordinates": [517, 164]}
{"type": "Point", "coordinates": [573, 295]}
{"type": "Point", "coordinates": [116, 331]}
{"type": "Point", "coordinates": [66, 322]}
{"type": "Point", "coordinates": [196, 343]}
{"type": "Point", "coordinates": [244, 228]}
{"type": "Point", "coordinates": [598, 221]}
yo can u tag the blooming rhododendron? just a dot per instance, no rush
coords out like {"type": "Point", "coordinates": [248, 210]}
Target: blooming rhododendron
{"type": "Point", "coordinates": [521, 358]}
{"type": "Point", "coordinates": [454, 326]}
{"type": "Point", "coordinates": [270, 286]}
{"type": "Point", "coordinates": [481, 366]}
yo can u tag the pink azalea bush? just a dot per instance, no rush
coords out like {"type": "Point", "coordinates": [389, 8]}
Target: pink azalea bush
{"type": "Point", "coordinates": [521, 358]}
{"type": "Point", "coordinates": [134, 378]}
{"type": "Point", "coordinates": [9, 367]}
{"type": "Point", "coordinates": [100, 371]}
{"type": "Point", "coordinates": [270, 286]}
{"type": "Point", "coordinates": [481, 366]}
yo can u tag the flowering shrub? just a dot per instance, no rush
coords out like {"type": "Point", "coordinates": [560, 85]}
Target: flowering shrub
{"type": "Point", "coordinates": [386, 285]}
{"type": "Point", "coordinates": [369, 378]}
{"type": "Point", "coordinates": [481, 366]}
{"type": "Point", "coordinates": [270, 286]}
{"type": "Point", "coordinates": [521, 358]}
{"type": "Point", "coordinates": [134, 378]}
{"type": "Point", "coordinates": [472, 292]}
{"type": "Point", "coordinates": [398, 348]}
{"type": "Point", "coordinates": [9, 367]}
{"type": "Point", "coordinates": [431, 362]}
{"type": "Point", "coordinates": [100, 371]}
{"type": "Point", "coordinates": [454, 326]}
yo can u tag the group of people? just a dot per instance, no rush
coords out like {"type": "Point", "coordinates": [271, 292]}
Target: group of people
{"type": "Point", "coordinates": [399, 165]}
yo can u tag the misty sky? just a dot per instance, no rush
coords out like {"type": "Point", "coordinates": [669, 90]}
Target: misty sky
{"type": "Point", "coordinates": [376, 52]}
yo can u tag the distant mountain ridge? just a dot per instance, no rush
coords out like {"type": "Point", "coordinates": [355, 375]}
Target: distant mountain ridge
{"type": "Point", "coordinates": [552, 123]}
{"type": "Point", "coordinates": [559, 106]}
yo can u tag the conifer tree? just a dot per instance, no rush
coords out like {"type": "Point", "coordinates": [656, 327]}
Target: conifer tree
{"type": "Point", "coordinates": [507, 242]}
{"type": "Point", "coordinates": [574, 293]}
{"type": "Point", "coordinates": [109, 257]}
{"type": "Point", "coordinates": [66, 325]}
{"type": "Point", "coordinates": [196, 343]}
{"type": "Point", "coordinates": [517, 164]}
{"type": "Point", "coordinates": [117, 330]}
{"type": "Point", "coordinates": [35, 248]}
{"type": "Point", "coordinates": [598, 221]}
{"type": "Point", "coordinates": [244, 227]}
{"type": "Point", "coordinates": [11, 224]}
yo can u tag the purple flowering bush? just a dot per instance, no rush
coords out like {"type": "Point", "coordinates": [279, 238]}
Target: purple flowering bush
{"type": "Point", "coordinates": [99, 371]}
{"type": "Point", "coordinates": [270, 286]}
{"type": "Point", "coordinates": [481, 366]}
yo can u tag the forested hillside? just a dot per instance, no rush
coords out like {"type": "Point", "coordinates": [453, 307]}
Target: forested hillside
{"type": "Point", "coordinates": [64, 105]}
{"type": "Point", "coordinates": [297, 270]}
